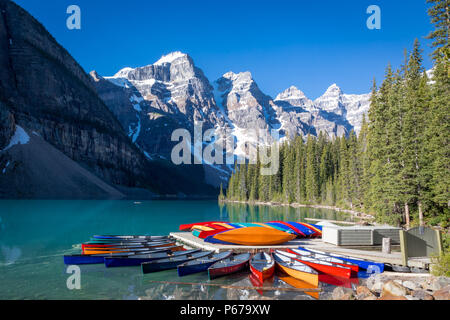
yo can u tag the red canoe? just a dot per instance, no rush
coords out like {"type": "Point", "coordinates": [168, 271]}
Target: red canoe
{"type": "Point", "coordinates": [262, 265]}
{"type": "Point", "coordinates": [322, 266]}
{"type": "Point", "coordinates": [188, 227]}
{"type": "Point", "coordinates": [228, 266]}
{"type": "Point", "coordinates": [342, 263]}
{"type": "Point", "coordinates": [296, 230]}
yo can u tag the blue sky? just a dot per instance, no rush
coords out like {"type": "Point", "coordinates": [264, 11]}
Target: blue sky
{"type": "Point", "coordinates": [309, 44]}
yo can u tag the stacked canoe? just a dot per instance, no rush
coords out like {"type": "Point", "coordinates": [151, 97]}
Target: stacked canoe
{"type": "Point", "coordinates": [252, 234]}
{"type": "Point", "coordinates": [301, 267]}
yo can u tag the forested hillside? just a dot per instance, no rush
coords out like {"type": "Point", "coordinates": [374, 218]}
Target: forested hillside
{"type": "Point", "coordinates": [397, 168]}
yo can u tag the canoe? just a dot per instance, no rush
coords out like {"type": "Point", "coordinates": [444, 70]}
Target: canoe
{"type": "Point", "coordinates": [305, 230]}
{"type": "Point", "coordinates": [300, 284]}
{"type": "Point", "coordinates": [172, 263]}
{"type": "Point", "coordinates": [222, 224]}
{"type": "Point", "coordinates": [316, 231]}
{"type": "Point", "coordinates": [370, 266]}
{"type": "Point", "coordinates": [123, 241]}
{"type": "Point", "coordinates": [228, 266]}
{"type": "Point", "coordinates": [188, 227]}
{"type": "Point", "coordinates": [137, 259]}
{"type": "Point", "coordinates": [320, 265]}
{"type": "Point", "coordinates": [296, 230]}
{"type": "Point", "coordinates": [122, 246]}
{"type": "Point", "coordinates": [137, 250]}
{"type": "Point", "coordinates": [116, 237]}
{"type": "Point", "coordinates": [202, 264]}
{"type": "Point", "coordinates": [203, 228]}
{"type": "Point", "coordinates": [343, 263]}
{"type": "Point", "coordinates": [124, 249]}
{"type": "Point", "coordinates": [79, 259]}
{"type": "Point", "coordinates": [206, 234]}
{"type": "Point", "coordinates": [262, 266]}
{"type": "Point", "coordinates": [278, 226]}
{"type": "Point", "coordinates": [253, 236]}
{"type": "Point", "coordinates": [296, 269]}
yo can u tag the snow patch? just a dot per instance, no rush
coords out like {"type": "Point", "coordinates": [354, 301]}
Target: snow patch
{"type": "Point", "coordinates": [171, 57]}
{"type": "Point", "coordinates": [19, 137]}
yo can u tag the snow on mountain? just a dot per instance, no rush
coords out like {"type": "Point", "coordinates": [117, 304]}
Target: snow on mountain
{"type": "Point", "coordinates": [172, 93]}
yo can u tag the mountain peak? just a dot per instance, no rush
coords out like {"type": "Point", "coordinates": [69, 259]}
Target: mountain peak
{"type": "Point", "coordinates": [238, 76]}
{"type": "Point", "coordinates": [291, 93]}
{"type": "Point", "coordinates": [123, 73]}
{"type": "Point", "coordinates": [171, 57]}
{"type": "Point", "coordinates": [334, 89]}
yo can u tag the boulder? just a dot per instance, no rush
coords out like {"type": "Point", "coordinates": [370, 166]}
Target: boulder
{"type": "Point", "coordinates": [436, 283]}
{"type": "Point", "coordinates": [411, 285]}
{"type": "Point", "coordinates": [363, 292]}
{"type": "Point", "coordinates": [443, 294]}
{"type": "Point", "coordinates": [375, 283]}
{"type": "Point", "coordinates": [340, 293]}
{"type": "Point", "coordinates": [395, 289]}
{"type": "Point", "coordinates": [392, 297]}
{"type": "Point", "coordinates": [421, 295]}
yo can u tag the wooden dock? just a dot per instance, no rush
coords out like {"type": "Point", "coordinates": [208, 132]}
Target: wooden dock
{"type": "Point", "coordinates": [395, 258]}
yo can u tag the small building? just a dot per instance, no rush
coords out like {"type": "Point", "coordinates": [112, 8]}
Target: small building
{"type": "Point", "coordinates": [360, 235]}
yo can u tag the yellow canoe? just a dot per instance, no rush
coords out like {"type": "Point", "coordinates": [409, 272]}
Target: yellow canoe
{"type": "Point", "coordinates": [295, 268]}
{"type": "Point", "coordinates": [255, 236]}
{"type": "Point", "coordinates": [201, 228]}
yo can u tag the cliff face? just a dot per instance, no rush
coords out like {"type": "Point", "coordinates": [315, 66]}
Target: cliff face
{"type": "Point", "coordinates": [49, 93]}
{"type": "Point", "coordinates": [45, 91]}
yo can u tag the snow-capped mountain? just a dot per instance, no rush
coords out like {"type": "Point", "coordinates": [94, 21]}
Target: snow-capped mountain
{"type": "Point", "coordinates": [153, 101]}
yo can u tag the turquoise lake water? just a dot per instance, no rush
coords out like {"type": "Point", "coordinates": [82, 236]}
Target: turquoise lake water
{"type": "Point", "coordinates": [34, 236]}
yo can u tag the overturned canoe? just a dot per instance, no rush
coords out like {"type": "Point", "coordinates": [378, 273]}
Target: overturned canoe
{"type": "Point", "coordinates": [252, 236]}
{"type": "Point", "coordinates": [117, 237]}
{"type": "Point", "coordinates": [188, 227]}
{"type": "Point", "coordinates": [80, 259]}
{"type": "Point", "coordinates": [172, 263]}
{"type": "Point", "coordinates": [202, 264]}
{"type": "Point", "coordinates": [262, 265]}
{"type": "Point", "coordinates": [296, 269]}
{"type": "Point", "coordinates": [229, 266]}
{"type": "Point", "coordinates": [137, 259]}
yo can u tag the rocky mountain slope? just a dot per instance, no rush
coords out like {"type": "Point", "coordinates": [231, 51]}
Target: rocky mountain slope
{"type": "Point", "coordinates": [45, 91]}
{"type": "Point", "coordinates": [153, 101]}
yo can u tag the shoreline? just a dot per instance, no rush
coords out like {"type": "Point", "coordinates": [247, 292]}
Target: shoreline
{"type": "Point", "coordinates": [353, 213]}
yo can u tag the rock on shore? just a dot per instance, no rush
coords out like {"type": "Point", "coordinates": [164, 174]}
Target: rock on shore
{"type": "Point", "coordinates": [394, 286]}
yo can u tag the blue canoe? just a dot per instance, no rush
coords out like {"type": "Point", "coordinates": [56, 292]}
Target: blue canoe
{"type": "Point", "coordinates": [281, 227]}
{"type": "Point", "coordinates": [172, 263]}
{"type": "Point", "coordinates": [369, 266]}
{"type": "Point", "coordinates": [307, 231]}
{"type": "Point", "coordinates": [79, 259]}
{"type": "Point", "coordinates": [137, 259]}
{"type": "Point", "coordinates": [202, 264]}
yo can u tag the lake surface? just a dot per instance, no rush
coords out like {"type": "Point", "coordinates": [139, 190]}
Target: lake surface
{"type": "Point", "coordinates": [34, 236]}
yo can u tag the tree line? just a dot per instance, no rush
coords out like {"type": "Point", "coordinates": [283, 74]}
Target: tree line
{"type": "Point", "coordinates": [397, 168]}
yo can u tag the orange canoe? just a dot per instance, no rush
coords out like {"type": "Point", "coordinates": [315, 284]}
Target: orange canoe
{"type": "Point", "coordinates": [254, 236]}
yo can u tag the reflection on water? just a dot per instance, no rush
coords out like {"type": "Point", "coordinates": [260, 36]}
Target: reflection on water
{"type": "Point", "coordinates": [34, 236]}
